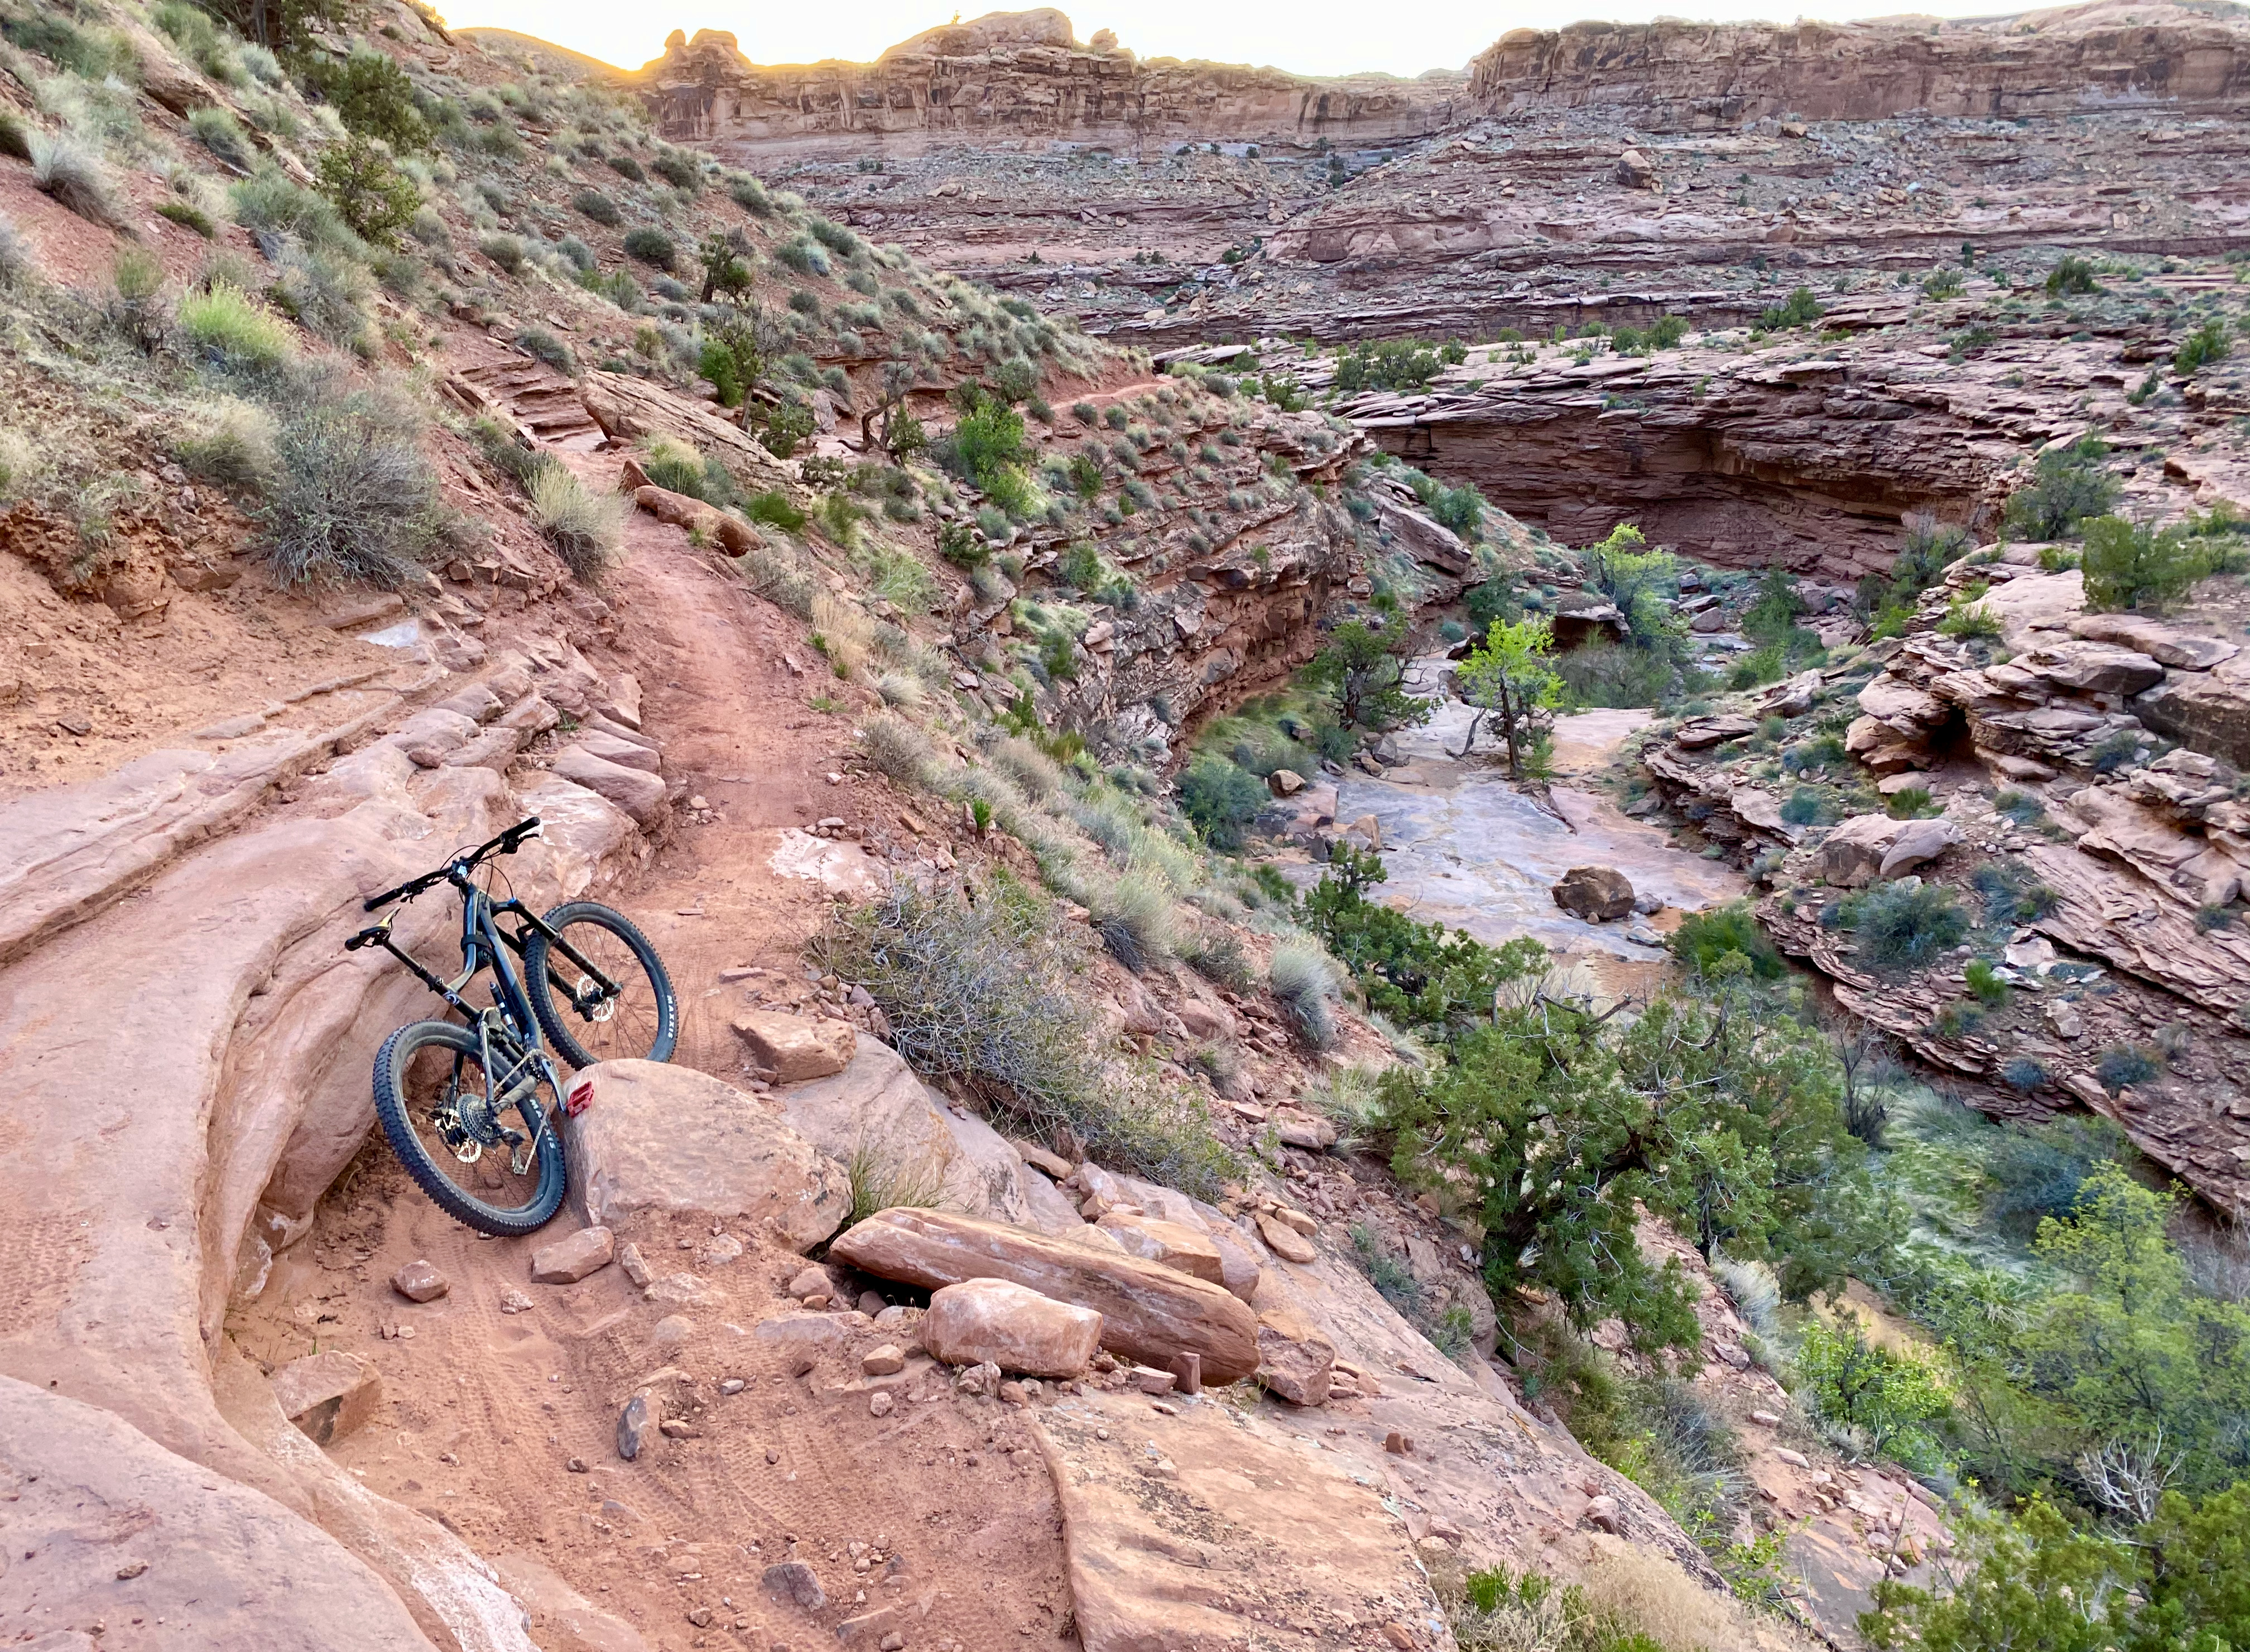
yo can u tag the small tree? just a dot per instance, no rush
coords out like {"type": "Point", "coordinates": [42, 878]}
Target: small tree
{"type": "Point", "coordinates": [1360, 671]}
{"type": "Point", "coordinates": [1509, 679]}
{"type": "Point", "coordinates": [726, 269]}
{"type": "Point", "coordinates": [1633, 577]}
{"type": "Point", "coordinates": [371, 195]}
{"type": "Point", "coordinates": [741, 346]}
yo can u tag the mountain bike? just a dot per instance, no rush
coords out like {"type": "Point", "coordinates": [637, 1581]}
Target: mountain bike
{"type": "Point", "coordinates": [445, 1092]}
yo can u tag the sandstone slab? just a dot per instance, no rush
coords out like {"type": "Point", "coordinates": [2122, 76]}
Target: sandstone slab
{"type": "Point", "coordinates": [998, 1321]}
{"type": "Point", "coordinates": [1286, 1242]}
{"type": "Point", "coordinates": [654, 1136]}
{"type": "Point", "coordinates": [1170, 1243]}
{"type": "Point", "coordinates": [106, 1525]}
{"type": "Point", "coordinates": [328, 1395]}
{"type": "Point", "coordinates": [1149, 1312]}
{"type": "Point", "coordinates": [638, 792]}
{"type": "Point", "coordinates": [796, 1047]}
{"type": "Point", "coordinates": [1234, 1523]}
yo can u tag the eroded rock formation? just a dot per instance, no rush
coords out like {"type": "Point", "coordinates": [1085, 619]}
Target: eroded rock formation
{"type": "Point", "coordinates": [1009, 78]}
{"type": "Point", "coordinates": [1675, 75]}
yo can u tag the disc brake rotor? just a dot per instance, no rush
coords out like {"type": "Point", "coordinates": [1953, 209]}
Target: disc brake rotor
{"type": "Point", "coordinates": [594, 1004]}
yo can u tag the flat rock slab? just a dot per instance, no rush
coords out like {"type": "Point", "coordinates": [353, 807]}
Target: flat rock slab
{"type": "Point", "coordinates": [656, 1136]}
{"type": "Point", "coordinates": [796, 1047]}
{"type": "Point", "coordinates": [106, 1526]}
{"type": "Point", "coordinates": [1149, 1312]}
{"type": "Point", "coordinates": [1177, 1529]}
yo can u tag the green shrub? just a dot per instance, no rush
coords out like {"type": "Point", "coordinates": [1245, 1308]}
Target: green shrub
{"type": "Point", "coordinates": [681, 170]}
{"type": "Point", "coordinates": [785, 427]}
{"type": "Point", "coordinates": [1965, 618]}
{"type": "Point", "coordinates": [1801, 310]}
{"type": "Point", "coordinates": [1802, 807]}
{"type": "Point", "coordinates": [2072, 276]}
{"type": "Point", "coordinates": [2134, 565]}
{"type": "Point", "coordinates": [325, 291]}
{"type": "Point", "coordinates": [2206, 344]}
{"type": "Point", "coordinates": [539, 342]}
{"type": "Point", "coordinates": [988, 994]}
{"type": "Point", "coordinates": [189, 216]}
{"type": "Point", "coordinates": [586, 529]}
{"type": "Point", "coordinates": [1907, 802]}
{"type": "Point", "coordinates": [2067, 484]}
{"type": "Point", "coordinates": [2122, 1066]}
{"type": "Point", "coordinates": [226, 442]}
{"type": "Point", "coordinates": [233, 330]}
{"type": "Point", "coordinates": [653, 248]}
{"type": "Point", "coordinates": [1219, 798]}
{"type": "Point", "coordinates": [1726, 941]}
{"type": "Point", "coordinates": [373, 96]}
{"type": "Point", "coordinates": [1902, 925]}
{"type": "Point", "coordinates": [353, 499]}
{"type": "Point", "coordinates": [598, 206]}
{"type": "Point", "coordinates": [1889, 1400]}
{"type": "Point", "coordinates": [1986, 984]}
{"type": "Point", "coordinates": [1395, 364]}
{"type": "Point", "coordinates": [773, 507]}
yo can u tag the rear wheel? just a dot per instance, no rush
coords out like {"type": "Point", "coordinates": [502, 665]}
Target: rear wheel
{"type": "Point", "coordinates": [499, 1170]}
{"type": "Point", "coordinates": [636, 1016]}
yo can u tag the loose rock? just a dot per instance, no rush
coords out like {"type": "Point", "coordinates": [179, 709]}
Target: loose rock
{"type": "Point", "coordinates": [998, 1321]}
{"type": "Point", "coordinates": [419, 1281]}
{"type": "Point", "coordinates": [568, 1260]}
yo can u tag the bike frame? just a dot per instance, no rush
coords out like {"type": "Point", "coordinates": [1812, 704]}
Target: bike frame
{"type": "Point", "coordinates": [485, 944]}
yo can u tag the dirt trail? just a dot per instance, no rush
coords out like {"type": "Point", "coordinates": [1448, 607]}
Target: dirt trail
{"type": "Point", "coordinates": [488, 1407]}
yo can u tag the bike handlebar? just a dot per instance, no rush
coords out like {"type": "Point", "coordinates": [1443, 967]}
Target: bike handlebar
{"type": "Point", "coordinates": [506, 843]}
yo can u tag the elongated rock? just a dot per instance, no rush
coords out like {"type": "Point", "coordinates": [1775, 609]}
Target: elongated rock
{"type": "Point", "coordinates": [1149, 1312]}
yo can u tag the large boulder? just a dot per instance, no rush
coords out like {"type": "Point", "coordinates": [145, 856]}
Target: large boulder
{"type": "Point", "coordinates": [2090, 667]}
{"type": "Point", "coordinates": [104, 1524]}
{"type": "Point", "coordinates": [1868, 847]}
{"type": "Point", "coordinates": [1294, 1359]}
{"type": "Point", "coordinates": [1011, 1326]}
{"type": "Point", "coordinates": [652, 1136]}
{"type": "Point", "coordinates": [1148, 1311]}
{"type": "Point", "coordinates": [1597, 893]}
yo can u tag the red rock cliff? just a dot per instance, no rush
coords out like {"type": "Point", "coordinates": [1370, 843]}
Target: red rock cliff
{"type": "Point", "coordinates": [1012, 76]}
{"type": "Point", "coordinates": [1682, 76]}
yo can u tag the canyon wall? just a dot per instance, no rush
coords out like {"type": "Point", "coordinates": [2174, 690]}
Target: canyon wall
{"type": "Point", "coordinates": [1674, 75]}
{"type": "Point", "coordinates": [1013, 78]}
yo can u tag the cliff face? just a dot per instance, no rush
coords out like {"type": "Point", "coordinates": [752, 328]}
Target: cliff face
{"type": "Point", "coordinates": [1672, 75]}
{"type": "Point", "coordinates": [1009, 78]}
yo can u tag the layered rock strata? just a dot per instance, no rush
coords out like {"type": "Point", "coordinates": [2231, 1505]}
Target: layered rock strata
{"type": "Point", "coordinates": [1007, 77]}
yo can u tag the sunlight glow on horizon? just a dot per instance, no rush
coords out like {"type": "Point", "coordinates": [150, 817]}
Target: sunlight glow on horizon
{"type": "Point", "coordinates": [1306, 37]}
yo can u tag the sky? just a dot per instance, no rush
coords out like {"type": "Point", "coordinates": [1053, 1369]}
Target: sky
{"type": "Point", "coordinates": [1308, 37]}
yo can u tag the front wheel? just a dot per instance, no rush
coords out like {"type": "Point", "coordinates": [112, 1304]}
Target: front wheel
{"type": "Point", "coordinates": [496, 1168]}
{"type": "Point", "coordinates": [601, 994]}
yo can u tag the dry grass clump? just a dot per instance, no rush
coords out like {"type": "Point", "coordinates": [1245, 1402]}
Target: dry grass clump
{"type": "Point", "coordinates": [17, 261]}
{"type": "Point", "coordinates": [227, 441]}
{"type": "Point", "coordinates": [1306, 981]}
{"type": "Point", "coordinates": [778, 575]}
{"type": "Point", "coordinates": [1641, 1591]}
{"type": "Point", "coordinates": [586, 529]}
{"type": "Point", "coordinates": [353, 501]}
{"type": "Point", "coordinates": [842, 633]}
{"type": "Point", "coordinates": [74, 174]}
{"type": "Point", "coordinates": [1133, 915]}
{"type": "Point", "coordinates": [986, 992]}
{"type": "Point", "coordinates": [899, 748]}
